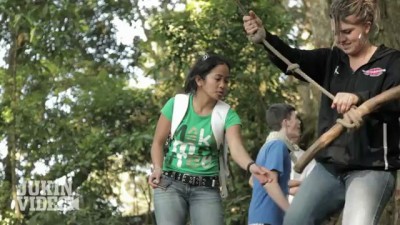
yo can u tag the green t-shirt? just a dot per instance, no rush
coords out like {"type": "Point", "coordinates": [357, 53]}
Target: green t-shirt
{"type": "Point", "coordinates": [193, 149]}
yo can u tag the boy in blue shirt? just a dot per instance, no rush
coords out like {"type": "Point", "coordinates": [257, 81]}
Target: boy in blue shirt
{"type": "Point", "coordinates": [269, 201]}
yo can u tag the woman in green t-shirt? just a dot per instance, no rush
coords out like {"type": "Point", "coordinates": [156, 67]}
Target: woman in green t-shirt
{"type": "Point", "coordinates": [186, 178]}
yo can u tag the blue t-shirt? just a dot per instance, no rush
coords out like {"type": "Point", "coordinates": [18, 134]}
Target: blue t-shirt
{"type": "Point", "coordinates": [273, 155]}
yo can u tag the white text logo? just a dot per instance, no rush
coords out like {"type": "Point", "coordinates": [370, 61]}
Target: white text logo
{"type": "Point", "coordinates": [46, 195]}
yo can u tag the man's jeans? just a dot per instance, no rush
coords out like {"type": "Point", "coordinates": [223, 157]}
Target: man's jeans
{"type": "Point", "coordinates": [173, 205]}
{"type": "Point", "coordinates": [363, 193]}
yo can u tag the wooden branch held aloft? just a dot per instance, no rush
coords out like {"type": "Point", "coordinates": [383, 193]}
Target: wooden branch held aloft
{"type": "Point", "coordinates": [325, 139]}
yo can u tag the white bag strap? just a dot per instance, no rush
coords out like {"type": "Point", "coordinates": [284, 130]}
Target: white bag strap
{"type": "Point", "coordinates": [181, 104]}
{"type": "Point", "coordinates": [226, 149]}
{"type": "Point", "coordinates": [218, 117]}
{"type": "Point", "coordinates": [224, 170]}
{"type": "Point", "coordinates": [222, 178]}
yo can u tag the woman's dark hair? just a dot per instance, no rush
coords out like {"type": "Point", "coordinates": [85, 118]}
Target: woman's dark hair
{"type": "Point", "coordinates": [202, 68]}
{"type": "Point", "coordinates": [276, 113]}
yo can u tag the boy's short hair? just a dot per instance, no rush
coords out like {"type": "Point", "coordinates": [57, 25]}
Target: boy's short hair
{"type": "Point", "coordinates": [276, 113]}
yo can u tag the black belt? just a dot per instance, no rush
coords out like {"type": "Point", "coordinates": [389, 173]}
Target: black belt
{"type": "Point", "coordinates": [208, 181]}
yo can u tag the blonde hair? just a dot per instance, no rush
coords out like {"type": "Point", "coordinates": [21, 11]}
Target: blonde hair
{"type": "Point", "coordinates": [364, 10]}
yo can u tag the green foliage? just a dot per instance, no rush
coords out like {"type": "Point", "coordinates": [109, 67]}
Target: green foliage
{"type": "Point", "coordinates": [66, 104]}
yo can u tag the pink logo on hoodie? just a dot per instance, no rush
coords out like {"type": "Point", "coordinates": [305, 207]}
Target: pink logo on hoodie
{"type": "Point", "coordinates": [374, 72]}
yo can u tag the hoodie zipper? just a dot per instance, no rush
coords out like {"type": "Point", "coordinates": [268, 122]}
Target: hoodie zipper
{"type": "Point", "coordinates": [385, 147]}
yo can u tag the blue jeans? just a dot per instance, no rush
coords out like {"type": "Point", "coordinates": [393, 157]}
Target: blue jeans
{"type": "Point", "coordinates": [173, 205]}
{"type": "Point", "coordinates": [363, 193]}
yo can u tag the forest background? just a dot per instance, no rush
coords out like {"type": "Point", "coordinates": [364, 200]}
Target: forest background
{"type": "Point", "coordinates": [73, 106]}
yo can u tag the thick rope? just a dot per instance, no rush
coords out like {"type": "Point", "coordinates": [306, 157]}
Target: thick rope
{"type": "Point", "coordinates": [292, 67]}
{"type": "Point", "coordinates": [346, 123]}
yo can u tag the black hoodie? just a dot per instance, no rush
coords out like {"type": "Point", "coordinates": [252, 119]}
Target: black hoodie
{"type": "Point", "coordinates": [364, 148]}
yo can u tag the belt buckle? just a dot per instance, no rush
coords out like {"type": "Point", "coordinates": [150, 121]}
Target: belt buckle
{"type": "Point", "coordinates": [197, 180]}
{"type": "Point", "coordinates": [183, 178]}
{"type": "Point", "coordinates": [188, 179]}
{"type": "Point", "coordinates": [203, 181]}
{"type": "Point", "coordinates": [192, 180]}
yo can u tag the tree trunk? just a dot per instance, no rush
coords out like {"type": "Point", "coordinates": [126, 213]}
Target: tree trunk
{"type": "Point", "coordinates": [388, 27]}
{"type": "Point", "coordinates": [12, 95]}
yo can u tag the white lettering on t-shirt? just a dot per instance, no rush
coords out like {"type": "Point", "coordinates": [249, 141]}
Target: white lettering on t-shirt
{"type": "Point", "coordinates": [203, 139]}
{"type": "Point", "coordinates": [182, 150]}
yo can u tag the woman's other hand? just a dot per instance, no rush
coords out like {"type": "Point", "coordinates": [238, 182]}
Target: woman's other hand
{"type": "Point", "coordinates": [344, 101]}
{"type": "Point", "coordinates": [155, 177]}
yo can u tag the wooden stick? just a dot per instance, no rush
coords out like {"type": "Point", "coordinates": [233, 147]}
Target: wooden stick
{"type": "Point", "coordinates": [325, 139]}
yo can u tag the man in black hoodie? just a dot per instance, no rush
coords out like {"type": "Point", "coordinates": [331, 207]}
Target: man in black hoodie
{"type": "Point", "coordinates": [357, 170]}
